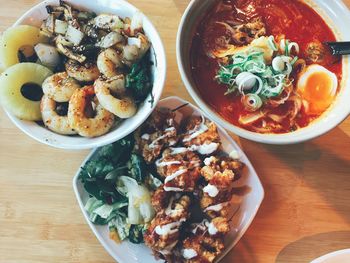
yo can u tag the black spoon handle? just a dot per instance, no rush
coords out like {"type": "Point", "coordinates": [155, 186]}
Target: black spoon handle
{"type": "Point", "coordinates": [339, 48]}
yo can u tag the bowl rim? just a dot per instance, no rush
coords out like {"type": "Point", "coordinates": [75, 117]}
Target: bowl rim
{"type": "Point", "coordinates": [259, 187]}
{"type": "Point", "coordinates": [99, 141]}
{"type": "Point", "coordinates": [274, 139]}
{"type": "Point", "coordinates": [331, 255]}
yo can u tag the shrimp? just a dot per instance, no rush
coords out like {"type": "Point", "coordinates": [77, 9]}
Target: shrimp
{"type": "Point", "coordinates": [115, 84]}
{"type": "Point", "coordinates": [95, 126]}
{"type": "Point", "coordinates": [108, 61]}
{"type": "Point", "coordinates": [124, 106]}
{"type": "Point", "coordinates": [136, 48]}
{"type": "Point", "coordinates": [60, 87]}
{"type": "Point", "coordinates": [82, 72]}
{"type": "Point", "coordinates": [52, 120]}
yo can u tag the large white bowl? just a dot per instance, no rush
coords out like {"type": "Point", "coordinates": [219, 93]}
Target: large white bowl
{"type": "Point", "coordinates": [245, 206]}
{"type": "Point", "coordinates": [340, 256]}
{"type": "Point", "coordinates": [337, 16]}
{"type": "Point", "coordinates": [122, 8]}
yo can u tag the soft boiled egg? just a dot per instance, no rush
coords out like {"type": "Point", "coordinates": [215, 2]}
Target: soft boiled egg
{"type": "Point", "coordinates": [318, 86]}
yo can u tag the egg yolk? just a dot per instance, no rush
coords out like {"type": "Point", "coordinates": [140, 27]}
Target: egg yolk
{"type": "Point", "coordinates": [318, 92]}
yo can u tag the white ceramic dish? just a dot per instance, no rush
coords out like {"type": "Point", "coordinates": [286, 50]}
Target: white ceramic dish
{"type": "Point", "coordinates": [122, 8]}
{"type": "Point", "coordinates": [340, 256]}
{"type": "Point", "coordinates": [246, 207]}
{"type": "Point", "coordinates": [335, 13]}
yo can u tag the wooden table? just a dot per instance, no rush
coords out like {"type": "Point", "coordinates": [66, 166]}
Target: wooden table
{"type": "Point", "coordinates": [306, 211]}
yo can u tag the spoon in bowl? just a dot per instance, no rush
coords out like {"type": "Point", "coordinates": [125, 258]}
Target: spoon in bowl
{"type": "Point", "coordinates": [339, 48]}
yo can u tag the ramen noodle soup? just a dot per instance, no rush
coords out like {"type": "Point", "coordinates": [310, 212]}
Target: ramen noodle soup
{"type": "Point", "coordinates": [263, 65]}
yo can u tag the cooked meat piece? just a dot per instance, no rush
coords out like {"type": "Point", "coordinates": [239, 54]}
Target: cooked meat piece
{"type": "Point", "coordinates": [219, 173]}
{"type": "Point", "coordinates": [244, 34]}
{"type": "Point", "coordinates": [160, 199]}
{"type": "Point", "coordinates": [159, 131]}
{"type": "Point", "coordinates": [163, 232]}
{"type": "Point", "coordinates": [201, 135]}
{"type": "Point", "coordinates": [181, 169]}
{"type": "Point", "coordinates": [315, 52]}
{"type": "Point", "coordinates": [206, 243]}
{"type": "Point", "coordinates": [222, 165]}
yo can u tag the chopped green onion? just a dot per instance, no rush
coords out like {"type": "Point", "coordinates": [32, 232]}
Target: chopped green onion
{"type": "Point", "coordinates": [293, 45]}
{"type": "Point", "coordinates": [272, 43]}
{"type": "Point", "coordinates": [252, 102]}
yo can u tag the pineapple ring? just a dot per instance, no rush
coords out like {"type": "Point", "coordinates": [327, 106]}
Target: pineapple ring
{"type": "Point", "coordinates": [13, 39]}
{"type": "Point", "coordinates": [11, 82]}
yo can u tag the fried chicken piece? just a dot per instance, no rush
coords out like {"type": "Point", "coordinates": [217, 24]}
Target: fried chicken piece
{"type": "Point", "coordinates": [201, 135]}
{"type": "Point", "coordinates": [159, 132]}
{"type": "Point", "coordinates": [163, 232]}
{"type": "Point", "coordinates": [206, 241]}
{"type": "Point", "coordinates": [220, 173]}
{"type": "Point", "coordinates": [181, 169]}
{"type": "Point", "coordinates": [223, 165]}
{"type": "Point", "coordinates": [202, 249]}
{"type": "Point", "coordinates": [160, 199]}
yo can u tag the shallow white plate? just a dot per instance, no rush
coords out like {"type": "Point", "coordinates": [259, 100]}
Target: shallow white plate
{"type": "Point", "coordinates": [340, 256]}
{"type": "Point", "coordinates": [245, 207]}
{"type": "Point", "coordinates": [36, 15]}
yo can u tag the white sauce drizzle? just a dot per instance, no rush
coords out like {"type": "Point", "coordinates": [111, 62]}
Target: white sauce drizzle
{"type": "Point", "coordinates": [212, 230]}
{"type": "Point", "coordinates": [160, 163]}
{"type": "Point", "coordinates": [205, 149]}
{"type": "Point", "coordinates": [211, 190]}
{"type": "Point", "coordinates": [168, 210]}
{"type": "Point", "coordinates": [178, 150]}
{"type": "Point", "coordinates": [146, 136]}
{"type": "Point", "coordinates": [189, 253]}
{"type": "Point", "coordinates": [169, 229]}
{"type": "Point", "coordinates": [234, 154]}
{"type": "Point", "coordinates": [196, 131]}
{"type": "Point", "coordinates": [169, 129]}
{"type": "Point", "coordinates": [208, 161]}
{"type": "Point", "coordinates": [174, 175]}
{"type": "Point", "coordinates": [215, 208]}
{"type": "Point", "coordinates": [172, 189]}
{"type": "Point", "coordinates": [153, 144]}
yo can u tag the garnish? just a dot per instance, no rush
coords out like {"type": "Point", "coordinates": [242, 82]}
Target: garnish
{"type": "Point", "coordinates": [249, 74]}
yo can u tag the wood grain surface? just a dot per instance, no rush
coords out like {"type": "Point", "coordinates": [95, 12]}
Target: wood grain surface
{"type": "Point", "coordinates": [306, 211]}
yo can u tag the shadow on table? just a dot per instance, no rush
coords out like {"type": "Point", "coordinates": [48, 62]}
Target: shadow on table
{"type": "Point", "coordinates": [323, 164]}
{"type": "Point", "coordinates": [321, 244]}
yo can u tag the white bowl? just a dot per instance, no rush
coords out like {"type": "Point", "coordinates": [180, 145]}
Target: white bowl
{"type": "Point", "coordinates": [246, 207]}
{"type": "Point", "coordinates": [337, 16]}
{"type": "Point", "coordinates": [340, 256]}
{"type": "Point", "coordinates": [122, 8]}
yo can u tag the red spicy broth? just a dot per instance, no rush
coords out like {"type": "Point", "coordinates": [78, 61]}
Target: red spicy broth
{"type": "Point", "coordinates": [291, 18]}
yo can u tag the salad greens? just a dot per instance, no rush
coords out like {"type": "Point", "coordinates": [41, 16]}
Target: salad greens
{"type": "Point", "coordinates": [116, 180]}
{"type": "Point", "coordinates": [139, 80]}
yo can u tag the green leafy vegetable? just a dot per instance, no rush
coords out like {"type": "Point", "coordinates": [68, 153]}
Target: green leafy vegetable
{"type": "Point", "coordinates": [139, 79]}
{"type": "Point", "coordinates": [114, 179]}
{"type": "Point", "coordinates": [119, 223]}
{"type": "Point", "coordinates": [118, 152]}
{"type": "Point", "coordinates": [137, 167]}
{"type": "Point", "coordinates": [136, 234]}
